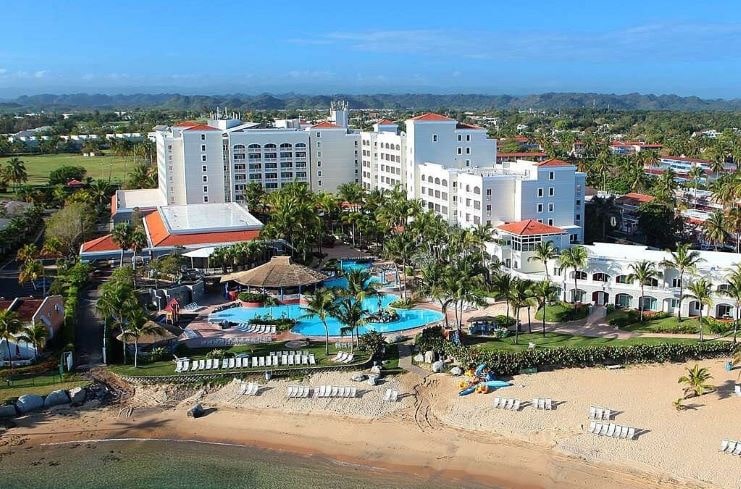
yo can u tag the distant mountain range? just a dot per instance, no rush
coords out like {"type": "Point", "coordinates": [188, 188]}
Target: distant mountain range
{"type": "Point", "coordinates": [411, 101]}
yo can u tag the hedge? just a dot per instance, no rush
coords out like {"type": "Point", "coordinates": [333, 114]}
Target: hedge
{"type": "Point", "coordinates": [510, 363]}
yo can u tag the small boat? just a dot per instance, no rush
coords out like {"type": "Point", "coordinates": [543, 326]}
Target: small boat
{"type": "Point", "coordinates": [496, 384]}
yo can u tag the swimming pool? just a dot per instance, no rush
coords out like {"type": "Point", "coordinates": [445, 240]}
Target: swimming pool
{"type": "Point", "coordinates": [312, 326]}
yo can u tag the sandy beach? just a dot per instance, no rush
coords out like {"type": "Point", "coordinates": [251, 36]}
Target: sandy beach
{"type": "Point", "coordinates": [433, 431]}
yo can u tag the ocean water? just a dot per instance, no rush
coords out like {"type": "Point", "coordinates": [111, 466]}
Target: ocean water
{"type": "Point", "coordinates": [175, 465]}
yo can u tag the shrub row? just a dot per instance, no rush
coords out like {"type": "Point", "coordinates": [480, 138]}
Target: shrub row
{"type": "Point", "coordinates": [510, 363]}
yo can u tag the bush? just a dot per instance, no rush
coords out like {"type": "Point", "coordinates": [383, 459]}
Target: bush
{"type": "Point", "coordinates": [624, 318]}
{"type": "Point", "coordinates": [264, 299]}
{"type": "Point", "coordinates": [64, 174]}
{"type": "Point", "coordinates": [281, 324]}
{"type": "Point", "coordinates": [400, 303]}
{"type": "Point", "coordinates": [219, 354]}
{"type": "Point", "coordinates": [372, 342]}
{"type": "Point", "coordinates": [510, 363]}
{"type": "Point", "coordinates": [719, 327]}
{"type": "Point", "coordinates": [503, 321]}
{"type": "Point", "coordinates": [430, 338]}
{"type": "Point", "coordinates": [500, 333]}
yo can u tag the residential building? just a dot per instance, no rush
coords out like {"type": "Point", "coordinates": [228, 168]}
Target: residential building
{"type": "Point", "coordinates": [48, 311]}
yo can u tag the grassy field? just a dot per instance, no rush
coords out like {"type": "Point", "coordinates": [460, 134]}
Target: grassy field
{"type": "Point", "coordinates": [560, 312]}
{"type": "Point", "coordinates": [660, 325]}
{"type": "Point", "coordinates": [98, 167]}
{"type": "Point", "coordinates": [167, 367]}
{"type": "Point", "coordinates": [552, 340]}
{"type": "Point", "coordinates": [40, 384]}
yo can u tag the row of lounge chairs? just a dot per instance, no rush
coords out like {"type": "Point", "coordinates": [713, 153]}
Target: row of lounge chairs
{"type": "Point", "coordinates": [283, 360]}
{"type": "Point", "coordinates": [540, 403]}
{"type": "Point", "coordinates": [504, 403]}
{"type": "Point", "coordinates": [391, 395]}
{"type": "Point", "coordinates": [256, 328]}
{"type": "Point", "coordinates": [290, 353]}
{"type": "Point", "coordinates": [612, 430]}
{"type": "Point", "coordinates": [730, 447]}
{"type": "Point", "coordinates": [193, 306]}
{"type": "Point", "coordinates": [339, 345]}
{"type": "Point", "coordinates": [296, 391]}
{"type": "Point", "coordinates": [343, 357]}
{"type": "Point", "coordinates": [336, 391]}
{"type": "Point", "coordinates": [599, 413]}
{"type": "Point", "coordinates": [249, 389]}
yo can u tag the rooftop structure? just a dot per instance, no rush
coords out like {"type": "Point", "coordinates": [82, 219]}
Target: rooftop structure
{"type": "Point", "coordinates": [279, 273]}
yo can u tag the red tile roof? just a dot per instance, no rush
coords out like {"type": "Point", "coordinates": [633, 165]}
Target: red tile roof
{"type": "Point", "coordinates": [160, 236]}
{"type": "Point", "coordinates": [554, 162]}
{"type": "Point", "coordinates": [187, 124]}
{"type": "Point", "coordinates": [529, 227]}
{"type": "Point", "coordinates": [104, 243]}
{"type": "Point", "coordinates": [325, 125]}
{"type": "Point", "coordinates": [201, 127]}
{"type": "Point", "coordinates": [429, 116]}
{"type": "Point", "coordinates": [462, 125]}
{"type": "Point", "coordinates": [385, 122]}
{"type": "Point", "coordinates": [24, 308]}
{"type": "Point", "coordinates": [635, 197]}
{"type": "Point", "coordinates": [522, 154]}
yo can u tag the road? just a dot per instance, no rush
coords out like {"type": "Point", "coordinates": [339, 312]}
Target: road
{"type": "Point", "coordinates": [89, 327]}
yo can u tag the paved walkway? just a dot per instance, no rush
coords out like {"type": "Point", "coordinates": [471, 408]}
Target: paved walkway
{"type": "Point", "coordinates": [405, 361]}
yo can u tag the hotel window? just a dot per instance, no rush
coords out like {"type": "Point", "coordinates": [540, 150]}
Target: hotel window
{"type": "Point", "coordinates": [550, 222]}
{"type": "Point", "coordinates": [550, 207]}
{"type": "Point", "coordinates": [540, 207]}
{"type": "Point", "coordinates": [204, 168]}
{"type": "Point", "coordinates": [320, 183]}
{"type": "Point", "coordinates": [318, 154]}
{"type": "Point", "coordinates": [460, 150]}
{"type": "Point", "coordinates": [203, 137]}
{"type": "Point", "coordinates": [468, 137]}
{"type": "Point", "coordinates": [540, 192]}
{"type": "Point", "coordinates": [468, 162]}
{"type": "Point", "coordinates": [203, 158]}
{"type": "Point", "coordinates": [203, 147]}
{"type": "Point", "coordinates": [488, 192]}
{"type": "Point", "coordinates": [318, 134]}
{"type": "Point", "coordinates": [551, 191]}
{"type": "Point", "coordinates": [488, 207]}
{"type": "Point", "coordinates": [205, 198]}
{"type": "Point", "coordinates": [676, 282]}
{"type": "Point", "coordinates": [434, 138]}
{"type": "Point", "coordinates": [319, 173]}
{"type": "Point", "coordinates": [551, 175]}
{"type": "Point", "coordinates": [468, 151]}
{"type": "Point", "coordinates": [205, 179]}
{"type": "Point", "coordinates": [460, 138]}
{"type": "Point", "coordinates": [578, 218]}
{"type": "Point", "coordinates": [205, 189]}
{"type": "Point", "coordinates": [319, 163]}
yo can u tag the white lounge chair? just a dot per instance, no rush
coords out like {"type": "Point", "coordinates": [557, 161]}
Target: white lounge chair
{"type": "Point", "coordinates": [394, 395]}
{"type": "Point", "coordinates": [186, 366]}
{"type": "Point", "coordinates": [238, 362]}
{"type": "Point", "coordinates": [592, 426]}
{"type": "Point", "coordinates": [737, 450]}
{"type": "Point", "coordinates": [737, 389]}
{"type": "Point", "coordinates": [334, 392]}
{"type": "Point", "coordinates": [516, 405]}
{"type": "Point", "coordinates": [598, 413]}
{"type": "Point", "coordinates": [261, 361]}
{"type": "Point", "coordinates": [624, 432]}
{"type": "Point", "coordinates": [349, 358]}
{"type": "Point", "coordinates": [194, 365]}
{"type": "Point", "coordinates": [225, 363]}
{"type": "Point", "coordinates": [607, 414]}
{"type": "Point", "coordinates": [496, 402]}
{"type": "Point", "coordinates": [201, 364]}
{"type": "Point", "coordinates": [208, 364]}
{"type": "Point", "coordinates": [353, 392]}
{"type": "Point", "coordinates": [631, 433]}
{"type": "Point", "coordinates": [255, 362]}
{"type": "Point", "coordinates": [343, 392]}
{"type": "Point", "coordinates": [304, 360]}
{"type": "Point", "coordinates": [319, 392]}
{"type": "Point", "coordinates": [549, 404]}
{"type": "Point", "coordinates": [312, 359]}
{"type": "Point", "coordinates": [232, 362]}
{"type": "Point", "coordinates": [179, 366]}
{"type": "Point", "coordinates": [387, 395]}
{"type": "Point", "coordinates": [618, 430]}
{"type": "Point", "coordinates": [509, 404]}
{"type": "Point", "coordinates": [340, 357]}
{"type": "Point", "coordinates": [724, 445]}
{"type": "Point", "coordinates": [730, 447]}
{"type": "Point", "coordinates": [592, 412]}
{"type": "Point", "coordinates": [541, 403]}
{"type": "Point", "coordinates": [269, 361]}
{"type": "Point", "coordinates": [610, 429]}
{"type": "Point", "coordinates": [604, 429]}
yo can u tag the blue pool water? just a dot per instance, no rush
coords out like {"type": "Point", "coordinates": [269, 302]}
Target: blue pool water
{"type": "Point", "coordinates": [312, 326]}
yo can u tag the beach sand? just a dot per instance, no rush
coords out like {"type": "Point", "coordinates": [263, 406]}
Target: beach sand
{"type": "Point", "coordinates": [433, 431]}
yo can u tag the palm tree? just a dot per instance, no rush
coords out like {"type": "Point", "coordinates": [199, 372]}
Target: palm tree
{"type": "Point", "coordinates": [544, 292]}
{"type": "Point", "coordinates": [733, 290]}
{"type": "Point", "coordinates": [521, 297]}
{"type": "Point", "coordinates": [500, 287]}
{"type": "Point", "coordinates": [10, 325]}
{"type": "Point", "coordinates": [138, 325]}
{"type": "Point", "coordinates": [665, 185]}
{"type": "Point", "coordinates": [733, 218]}
{"type": "Point", "coordinates": [575, 258]}
{"type": "Point", "coordinates": [16, 171]}
{"type": "Point", "coordinates": [31, 272]}
{"type": "Point", "coordinates": [350, 313]}
{"type": "Point", "coordinates": [137, 242]}
{"type": "Point", "coordinates": [645, 272]}
{"type": "Point", "coordinates": [700, 291]}
{"type": "Point", "coordinates": [35, 334]}
{"type": "Point", "coordinates": [544, 252]}
{"type": "Point", "coordinates": [695, 174]}
{"type": "Point", "coordinates": [715, 228]}
{"type": "Point", "coordinates": [696, 381]}
{"type": "Point", "coordinates": [26, 253]}
{"type": "Point", "coordinates": [121, 236]}
{"type": "Point", "coordinates": [683, 260]}
{"type": "Point", "coordinates": [320, 304]}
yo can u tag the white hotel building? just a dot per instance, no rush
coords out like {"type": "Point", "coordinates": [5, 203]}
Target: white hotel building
{"type": "Point", "coordinates": [214, 162]}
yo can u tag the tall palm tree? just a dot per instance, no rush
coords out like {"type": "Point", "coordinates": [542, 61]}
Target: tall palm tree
{"type": "Point", "coordinates": [320, 304]}
{"type": "Point", "coordinates": [684, 260]}
{"type": "Point", "coordinates": [575, 258]}
{"type": "Point", "coordinates": [137, 242]}
{"type": "Point", "coordinates": [544, 292]}
{"type": "Point", "coordinates": [700, 291]}
{"type": "Point", "coordinates": [715, 228]}
{"type": "Point", "coordinates": [10, 325]}
{"type": "Point", "coordinates": [695, 174]}
{"type": "Point", "coordinates": [733, 290]}
{"type": "Point", "coordinates": [543, 253]}
{"type": "Point", "coordinates": [500, 287]}
{"type": "Point", "coordinates": [138, 325]}
{"type": "Point", "coordinates": [520, 297]}
{"type": "Point", "coordinates": [696, 381]}
{"type": "Point", "coordinates": [35, 334]}
{"type": "Point", "coordinates": [665, 185]}
{"type": "Point", "coordinates": [121, 236]}
{"type": "Point", "coordinates": [16, 171]}
{"type": "Point", "coordinates": [351, 313]}
{"type": "Point", "coordinates": [644, 272]}
{"type": "Point", "coordinates": [31, 272]}
{"type": "Point", "coordinates": [733, 218]}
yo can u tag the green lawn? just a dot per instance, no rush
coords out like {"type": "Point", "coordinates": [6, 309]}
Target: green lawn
{"type": "Point", "coordinates": [660, 325]}
{"type": "Point", "coordinates": [560, 312]}
{"type": "Point", "coordinates": [98, 167]}
{"type": "Point", "coordinates": [167, 367]}
{"type": "Point", "coordinates": [39, 384]}
{"type": "Point", "coordinates": [552, 340]}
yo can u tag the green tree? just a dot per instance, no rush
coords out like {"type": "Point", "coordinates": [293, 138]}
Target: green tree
{"type": "Point", "coordinates": [645, 273]}
{"type": "Point", "coordinates": [69, 227]}
{"type": "Point", "coordinates": [16, 171]}
{"type": "Point", "coordinates": [10, 325]}
{"type": "Point", "coordinates": [543, 253]}
{"type": "Point", "coordinates": [320, 304]}
{"type": "Point", "coordinates": [574, 258]}
{"type": "Point", "coordinates": [701, 290]}
{"type": "Point", "coordinates": [715, 229]}
{"type": "Point", "coordinates": [35, 334]}
{"type": "Point", "coordinates": [31, 272]}
{"type": "Point", "coordinates": [544, 292]}
{"type": "Point", "coordinates": [695, 381]}
{"type": "Point", "coordinates": [121, 237]}
{"type": "Point", "coordinates": [138, 325]}
{"type": "Point", "coordinates": [684, 260]}
{"type": "Point", "coordinates": [659, 224]}
{"type": "Point", "coordinates": [733, 290]}
{"type": "Point", "coordinates": [351, 314]}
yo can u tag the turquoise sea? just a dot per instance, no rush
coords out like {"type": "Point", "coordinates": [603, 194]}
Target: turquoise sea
{"type": "Point", "coordinates": [175, 465]}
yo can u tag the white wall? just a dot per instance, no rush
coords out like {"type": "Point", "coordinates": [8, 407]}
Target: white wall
{"type": "Point", "coordinates": [335, 158]}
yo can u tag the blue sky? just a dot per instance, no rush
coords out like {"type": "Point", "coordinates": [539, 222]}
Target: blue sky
{"type": "Point", "coordinates": [356, 46]}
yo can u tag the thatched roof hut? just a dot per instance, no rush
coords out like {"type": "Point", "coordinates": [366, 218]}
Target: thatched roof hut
{"type": "Point", "coordinates": [279, 273]}
{"type": "Point", "coordinates": [163, 336]}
